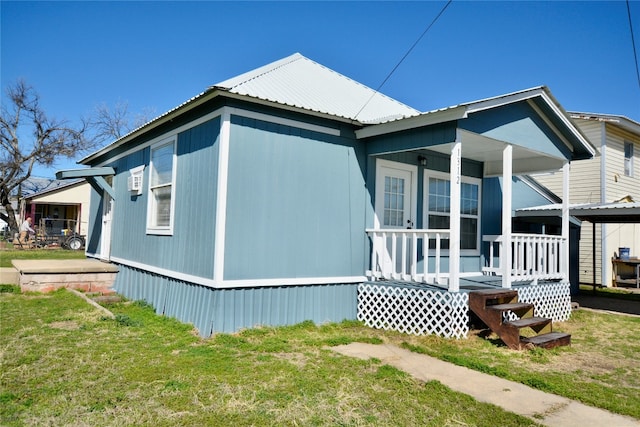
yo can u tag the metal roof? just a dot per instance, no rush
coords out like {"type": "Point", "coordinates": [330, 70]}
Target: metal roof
{"type": "Point", "coordinates": [615, 212]}
{"type": "Point", "coordinates": [300, 82]}
{"type": "Point", "coordinates": [620, 121]}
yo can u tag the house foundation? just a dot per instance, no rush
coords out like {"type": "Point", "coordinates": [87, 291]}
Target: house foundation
{"type": "Point", "coordinates": [49, 275]}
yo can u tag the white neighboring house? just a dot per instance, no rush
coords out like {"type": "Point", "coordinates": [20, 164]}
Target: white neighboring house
{"type": "Point", "coordinates": [67, 201]}
{"type": "Point", "coordinates": [613, 175]}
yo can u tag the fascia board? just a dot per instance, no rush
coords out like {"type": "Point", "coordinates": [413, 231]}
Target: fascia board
{"type": "Point", "coordinates": [168, 116]}
{"type": "Point", "coordinates": [425, 119]}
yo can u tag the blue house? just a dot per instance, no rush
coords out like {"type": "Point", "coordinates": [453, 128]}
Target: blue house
{"type": "Point", "coordinates": [294, 193]}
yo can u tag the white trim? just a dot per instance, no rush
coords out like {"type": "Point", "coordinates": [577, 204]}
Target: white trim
{"type": "Point", "coordinates": [217, 113]}
{"type": "Point", "coordinates": [550, 124]}
{"type": "Point", "coordinates": [244, 283]}
{"type": "Point", "coordinates": [172, 133]}
{"type": "Point", "coordinates": [564, 260]}
{"type": "Point", "coordinates": [507, 197]}
{"type": "Point", "coordinates": [428, 173]}
{"type": "Point", "coordinates": [604, 251]}
{"type": "Point", "coordinates": [297, 281]}
{"type": "Point", "coordinates": [454, 216]}
{"type": "Point", "coordinates": [221, 193]}
{"type": "Point", "coordinates": [155, 229]}
{"type": "Point", "coordinates": [425, 119]}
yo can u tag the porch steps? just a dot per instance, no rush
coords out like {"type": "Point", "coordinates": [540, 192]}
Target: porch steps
{"type": "Point", "coordinates": [492, 306]}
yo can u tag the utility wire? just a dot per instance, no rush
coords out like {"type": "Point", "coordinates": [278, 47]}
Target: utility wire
{"type": "Point", "coordinates": [407, 54]}
{"type": "Point", "coordinates": [633, 43]}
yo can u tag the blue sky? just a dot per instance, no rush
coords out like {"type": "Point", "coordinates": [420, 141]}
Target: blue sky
{"type": "Point", "coordinates": [155, 55]}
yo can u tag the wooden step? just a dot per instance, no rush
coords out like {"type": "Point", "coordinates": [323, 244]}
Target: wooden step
{"type": "Point", "coordinates": [550, 340]}
{"type": "Point", "coordinates": [516, 307]}
{"type": "Point", "coordinates": [530, 322]}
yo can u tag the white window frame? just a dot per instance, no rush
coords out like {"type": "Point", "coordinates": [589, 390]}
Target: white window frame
{"type": "Point", "coordinates": [628, 161]}
{"type": "Point", "coordinates": [135, 181]}
{"type": "Point", "coordinates": [428, 173]}
{"type": "Point", "coordinates": [151, 204]}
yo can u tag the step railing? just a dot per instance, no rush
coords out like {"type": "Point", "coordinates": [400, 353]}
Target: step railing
{"type": "Point", "coordinates": [533, 256]}
{"type": "Point", "coordinates": [406, 254]}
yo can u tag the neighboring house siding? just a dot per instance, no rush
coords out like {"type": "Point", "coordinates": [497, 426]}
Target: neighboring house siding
{"type": "Point", "coordinates": [618, 185]}
{"type": "Point", "coordinates": [588, 181]}
{"type": "Point", "coordinates": [295, 204]}
{"type": "Point", "coordinates": [189, 249]}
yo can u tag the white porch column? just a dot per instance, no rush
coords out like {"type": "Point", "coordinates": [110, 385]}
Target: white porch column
{"type": "Point", "coordinates": [454, 225]}
{"type": "Point", "coordinates": [564, 250]}
{"type": "Point", "coordinates": [505, 255]}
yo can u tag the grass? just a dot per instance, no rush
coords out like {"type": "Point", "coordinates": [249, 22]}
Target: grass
{"type": "Point", "coordinates": [618, 293]}
{"type": "Point", "coordinates": [7, 255]}
{"type": "Point", "coordinates": [65, 364]}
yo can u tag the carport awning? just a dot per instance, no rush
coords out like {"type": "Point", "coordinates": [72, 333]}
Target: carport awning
{"type": "Point", "coordinates": [598, 213]}
{"type": "Point", "coordinates": [94, 176]}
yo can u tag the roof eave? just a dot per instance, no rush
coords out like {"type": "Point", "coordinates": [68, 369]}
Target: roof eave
{"type": "Point", "coordinates": [158, 121]}
{"type": "Point", "coordinates": [424, 119]}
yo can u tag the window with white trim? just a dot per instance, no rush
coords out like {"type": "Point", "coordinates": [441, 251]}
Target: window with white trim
{"type": "Point", "coordinates": [437, 208]}
{"type": "Point", "coordinates": [161, 188]}
{"type": "Point", "coordinates": [628, 158]}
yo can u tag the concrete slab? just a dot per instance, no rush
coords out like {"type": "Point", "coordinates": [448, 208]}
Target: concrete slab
{"type": "Point", "coordinates": [544, 408]}
{"type": "Point", "coordinates": [9, 276]}
{"type": "Point", "coordinates": [88, 275]}
{"type": "Point", "coordinates": [43, 266]}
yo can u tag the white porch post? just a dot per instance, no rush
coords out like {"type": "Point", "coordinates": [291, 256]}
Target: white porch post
{"type": "Point", "coordinates": [564, 250]}
{"type": "Point", "coordinates": [454, 226]}
{"type": "Point", "coordinates": [505, 255]}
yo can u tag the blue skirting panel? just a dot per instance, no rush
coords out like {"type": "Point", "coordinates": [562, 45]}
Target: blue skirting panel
{"type": "Point", "coordinates": [229, 310]}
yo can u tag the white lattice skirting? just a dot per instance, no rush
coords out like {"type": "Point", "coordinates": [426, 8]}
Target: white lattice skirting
{"type": "Point", "coordinates": [551, 300]}
{"type": "Point", "coordinates": [412, 310]}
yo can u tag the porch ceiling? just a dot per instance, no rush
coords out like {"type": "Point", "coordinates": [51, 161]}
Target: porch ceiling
{"type": "Point", "coordinates": [489, 151]}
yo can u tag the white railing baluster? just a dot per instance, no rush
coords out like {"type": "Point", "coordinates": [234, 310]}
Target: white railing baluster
{"type": "Point", "coordinates": [535, 256]}
{"type": "Point", "coordinates": [399, 259]}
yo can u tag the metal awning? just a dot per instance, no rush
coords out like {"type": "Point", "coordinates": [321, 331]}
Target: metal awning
{"type": "Point", "coordinates": [94, 176]}
{"type": "Point", "coordinates": [620, 212]}
{"type": "Point", "coordinates": [597, 213]}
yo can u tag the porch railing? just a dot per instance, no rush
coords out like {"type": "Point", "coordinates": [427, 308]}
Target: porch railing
{"type": "Point", "coordinates": [406, 255]}
{"type": "Point", "coordinates": [533, 256]}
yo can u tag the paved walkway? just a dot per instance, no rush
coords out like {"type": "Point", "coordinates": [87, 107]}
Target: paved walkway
{"type": "Point", "coordinates": [543, 408]}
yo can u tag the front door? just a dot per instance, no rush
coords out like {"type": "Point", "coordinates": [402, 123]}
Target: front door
{"type": "Point", "coordinates": [105, 237]}
{"type": "Point", "coordinates": [395, 208]}
{"type": "Point", "coordinates": [395, 195]}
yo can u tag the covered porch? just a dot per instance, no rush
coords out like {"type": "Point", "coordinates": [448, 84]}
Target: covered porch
{"type": "Point", "coordinates": [443, 207]}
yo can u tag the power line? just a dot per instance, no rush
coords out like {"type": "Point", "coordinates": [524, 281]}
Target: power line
{"type": "Point", "coordinates": [407, 54]}
{"type": "Point", "coordinates": [633, 43]}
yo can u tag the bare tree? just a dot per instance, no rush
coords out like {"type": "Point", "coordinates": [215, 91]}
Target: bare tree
{"type": "Point", "coordinates": [113, 123]}
{"type": "Point", "coordinates": [28, 137]}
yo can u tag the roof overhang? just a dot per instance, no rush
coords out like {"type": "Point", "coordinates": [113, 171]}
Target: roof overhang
{"type": "Point", "coordinates": [94, 176]}
{"type": "Point", "coordinates": [539, 98]}
{"type": "Point", "coordinates": [601, 213]}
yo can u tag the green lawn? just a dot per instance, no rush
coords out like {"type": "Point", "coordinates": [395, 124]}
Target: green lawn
{"type": "Point", "coordinates": [65, 364]}
{"type": "Point", "coordinates": [10, 254]}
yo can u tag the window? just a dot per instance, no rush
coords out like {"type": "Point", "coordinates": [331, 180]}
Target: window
{"type": "Point", "coordinates": [393, 201]}
{"type": "Point", "coordinates": [438, 208]}
{"type": "Point", "coordinates": [135, 180]}
{"type": "Point", "coordinates": [628, 158]}
{"type": "Point", "coordinates": [161, 200]}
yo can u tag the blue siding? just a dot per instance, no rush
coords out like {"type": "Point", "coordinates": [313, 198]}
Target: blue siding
{"type": "Point", "coordinates": [518, 124]}
{"type": "Point", "coordinates": [295, 204]}
{"type": "Point", "coordinates": [229, 310]}
{"type": "Point", "coordinates": [190, 248]}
